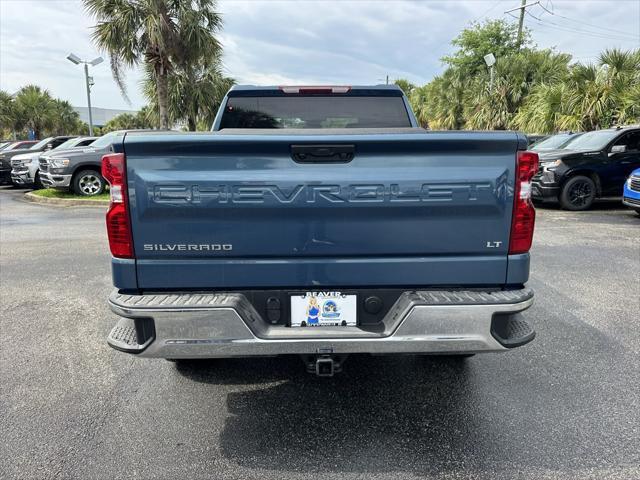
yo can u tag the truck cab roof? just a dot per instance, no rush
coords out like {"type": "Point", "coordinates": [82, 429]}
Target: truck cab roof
{"type": "Point", "coordinates": [346, 90]}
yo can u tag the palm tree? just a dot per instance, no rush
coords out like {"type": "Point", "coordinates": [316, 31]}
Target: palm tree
{"type": "Point", "coordinates": [8, 118]}
{"type": "Point", "coordinates": [64, 119]}
{"type": "Point", "coordinates": [444, 101]}
{"type": "Point", "coordinates": [548, 109]}
{"type": "Point", "coordinates": [405, 85]}
{"type": "Point", "coordinates": [630, 105]}
{"type": "Point", "coordinates": [517, 75]}
{"type": "Point", "coordinates": [162, 34]}
{"type": "Point", "coordinates": [127, 121]}
{"type": "Point", "coordinates": [418, 101]}
{"type": "Point", "coordinates": [34, 106]}
{"type": "Point", "coordinates": [195, 93]}
{"type": "Point", "coordinates": [489, 109]}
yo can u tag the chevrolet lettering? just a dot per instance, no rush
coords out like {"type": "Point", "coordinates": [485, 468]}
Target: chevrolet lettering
{"type": "Point", "coordinates": [354, 193]}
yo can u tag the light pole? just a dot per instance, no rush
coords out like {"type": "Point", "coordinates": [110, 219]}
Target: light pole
{"type": "Point", "coordinates": [88, 80]}
{"type": "Point", "coordinates": [490, 60]}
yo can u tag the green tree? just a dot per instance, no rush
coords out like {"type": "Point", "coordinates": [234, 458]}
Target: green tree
{"type": "Point", "coordinates": [162, 34]}
{"type": "Point", "coordinates": [516, 75]}
{"type": "Point", "coordinates": [418, 101]}
{"type": "Point", "coordinates": [8, 118]}
{"type": "Point", "coordinates": [63, 118]}
{"type": "Point", "coordinates": [441, 101]}
{"type": "Point", "coordinates": [589, 97]}
{"type": "Point", "coordinates": [459, 98]}
{"type": "Point", "coordinates": [493, 36]}
{"type": "Point", "coordinates": [195, 93]}
{"type": "Point", "coordinates": [34, 107]}
{"type": "Point", "coordinates": [130, 121]}
{"type": "Point", "coordinates": [405, 85]}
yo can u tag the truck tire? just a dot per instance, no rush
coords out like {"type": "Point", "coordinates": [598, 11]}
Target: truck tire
{"type": "Point", "coordinates": [88, 183]}
{"type": "Point", "coordinates": [578, 193]}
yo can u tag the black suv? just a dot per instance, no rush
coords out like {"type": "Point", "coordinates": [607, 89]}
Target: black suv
{"type": "Point", "coordinates": [594, 165]}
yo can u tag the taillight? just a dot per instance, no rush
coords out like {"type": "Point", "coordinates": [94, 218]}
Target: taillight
{"type": "Point", "coordinates": [118, 226]}
{"type": "Point", "coordinates": [524, 215]}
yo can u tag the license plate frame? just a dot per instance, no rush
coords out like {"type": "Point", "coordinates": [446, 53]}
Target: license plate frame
{"type": "Point", "coordinates": [323, 309]}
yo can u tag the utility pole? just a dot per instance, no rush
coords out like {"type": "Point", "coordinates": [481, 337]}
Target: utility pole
{"type": "Point", "coordinates": [521, 21]}
{"type": "Point", "coordinates": [73, 58]}
{"type": "Point", "coordinates": [86, 78]}
{"type": "Point", "coordinates": [523, 7]}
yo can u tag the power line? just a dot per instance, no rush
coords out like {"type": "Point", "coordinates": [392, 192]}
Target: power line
{"type": "Point", "coordinates": [555, 26]}
{"type": "Point", "coordinates": [565, 28]}
{"type": "Point", "coordinates": [486, 12]}
{"type": "Point", "coordinates": [580, 22]}
{"type": "Point", "coordinates": [617, 35]}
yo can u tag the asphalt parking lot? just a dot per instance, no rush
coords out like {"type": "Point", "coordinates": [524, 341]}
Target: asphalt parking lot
{"type": "Point", "coordinates": [565, 406]}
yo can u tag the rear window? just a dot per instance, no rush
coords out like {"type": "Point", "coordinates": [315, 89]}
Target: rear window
{"type": "Point", "coordinates": [315, 112]}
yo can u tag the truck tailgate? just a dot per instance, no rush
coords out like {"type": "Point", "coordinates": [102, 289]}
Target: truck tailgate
{"type": "Point", "coordinates": [228, 211]}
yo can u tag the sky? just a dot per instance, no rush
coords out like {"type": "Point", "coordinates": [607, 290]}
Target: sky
{"type": "Point", "coordinates": [270, 42]}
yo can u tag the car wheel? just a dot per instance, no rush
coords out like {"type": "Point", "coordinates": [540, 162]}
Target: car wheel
{"type": "Point", "coordinates": [88, 183]}
{"type": "Point", "coordinates": [578, 193]}
{"type": "Point", "coordinates": [37, 184]}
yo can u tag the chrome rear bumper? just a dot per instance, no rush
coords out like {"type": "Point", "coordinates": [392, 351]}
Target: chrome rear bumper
{"type": "Point", "coordinates": [212, 325]}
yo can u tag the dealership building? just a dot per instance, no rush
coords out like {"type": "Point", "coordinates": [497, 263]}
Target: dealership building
{"type": "Point", "coordinates": [100, 115]}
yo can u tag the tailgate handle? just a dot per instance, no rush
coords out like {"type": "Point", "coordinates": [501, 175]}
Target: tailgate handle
{"type": "Point", "coordinates": [322, 153]}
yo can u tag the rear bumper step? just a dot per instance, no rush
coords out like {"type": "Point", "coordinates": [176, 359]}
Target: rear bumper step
{"type": "Point", "coordinates": [211, 325]}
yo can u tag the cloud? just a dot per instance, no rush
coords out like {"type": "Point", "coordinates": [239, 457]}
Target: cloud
{"type": "Point", "coordinates": [301, 42]}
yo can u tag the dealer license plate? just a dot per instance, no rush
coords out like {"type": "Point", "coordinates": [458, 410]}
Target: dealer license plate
{"type": "Point", "coordinates": [323, 309]}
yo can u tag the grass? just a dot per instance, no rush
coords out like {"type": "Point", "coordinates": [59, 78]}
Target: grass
{"type": "Point", "coordinates": [53, 193]}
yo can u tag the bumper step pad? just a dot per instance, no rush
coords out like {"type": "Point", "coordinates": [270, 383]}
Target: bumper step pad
{"type": "Point", "coordinates": [512, 331]}
{"type": "Point", "coordinates": [124, 337]}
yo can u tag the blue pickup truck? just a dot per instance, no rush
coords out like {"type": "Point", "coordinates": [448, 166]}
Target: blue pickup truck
{"type": "Point", "coordinates": [320, 222]}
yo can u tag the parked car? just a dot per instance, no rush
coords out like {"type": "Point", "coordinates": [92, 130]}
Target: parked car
{"type": "Point", "coordinates": [7, 154]}
{"type": "Point", "coordinates": [533, 139]}
{"type": "Point", "coordinates": [594, 165]}
{"type": "Point", "coordinates": [25, 168]}
{"type": "Point", "coordinates": [554, 143]}
{"type": "Point", "coordinates": [631, 192]}
{"type": "Point", "coordinates": [77, 171]}
{"type": "Point", "coordinates": [337, 236]}
{"type": "Point", "coordinates": [15, 145]}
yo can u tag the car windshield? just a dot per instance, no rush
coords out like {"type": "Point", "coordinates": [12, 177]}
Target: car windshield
{"type": "Point", "coordinates": [3, 145]}
{"type": "Point", "coordinates": [556, 141]}
{"type": "Point", "coordinates": [104, 140]}
{"type": "Point", "coordinates": [593, 140]}
{"type": "Point", "coordinates": [41, 144]}
{"type": "Point", "coordinates": [72, 142]}
{"type": "Point", "coordinates": [68, 144]}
